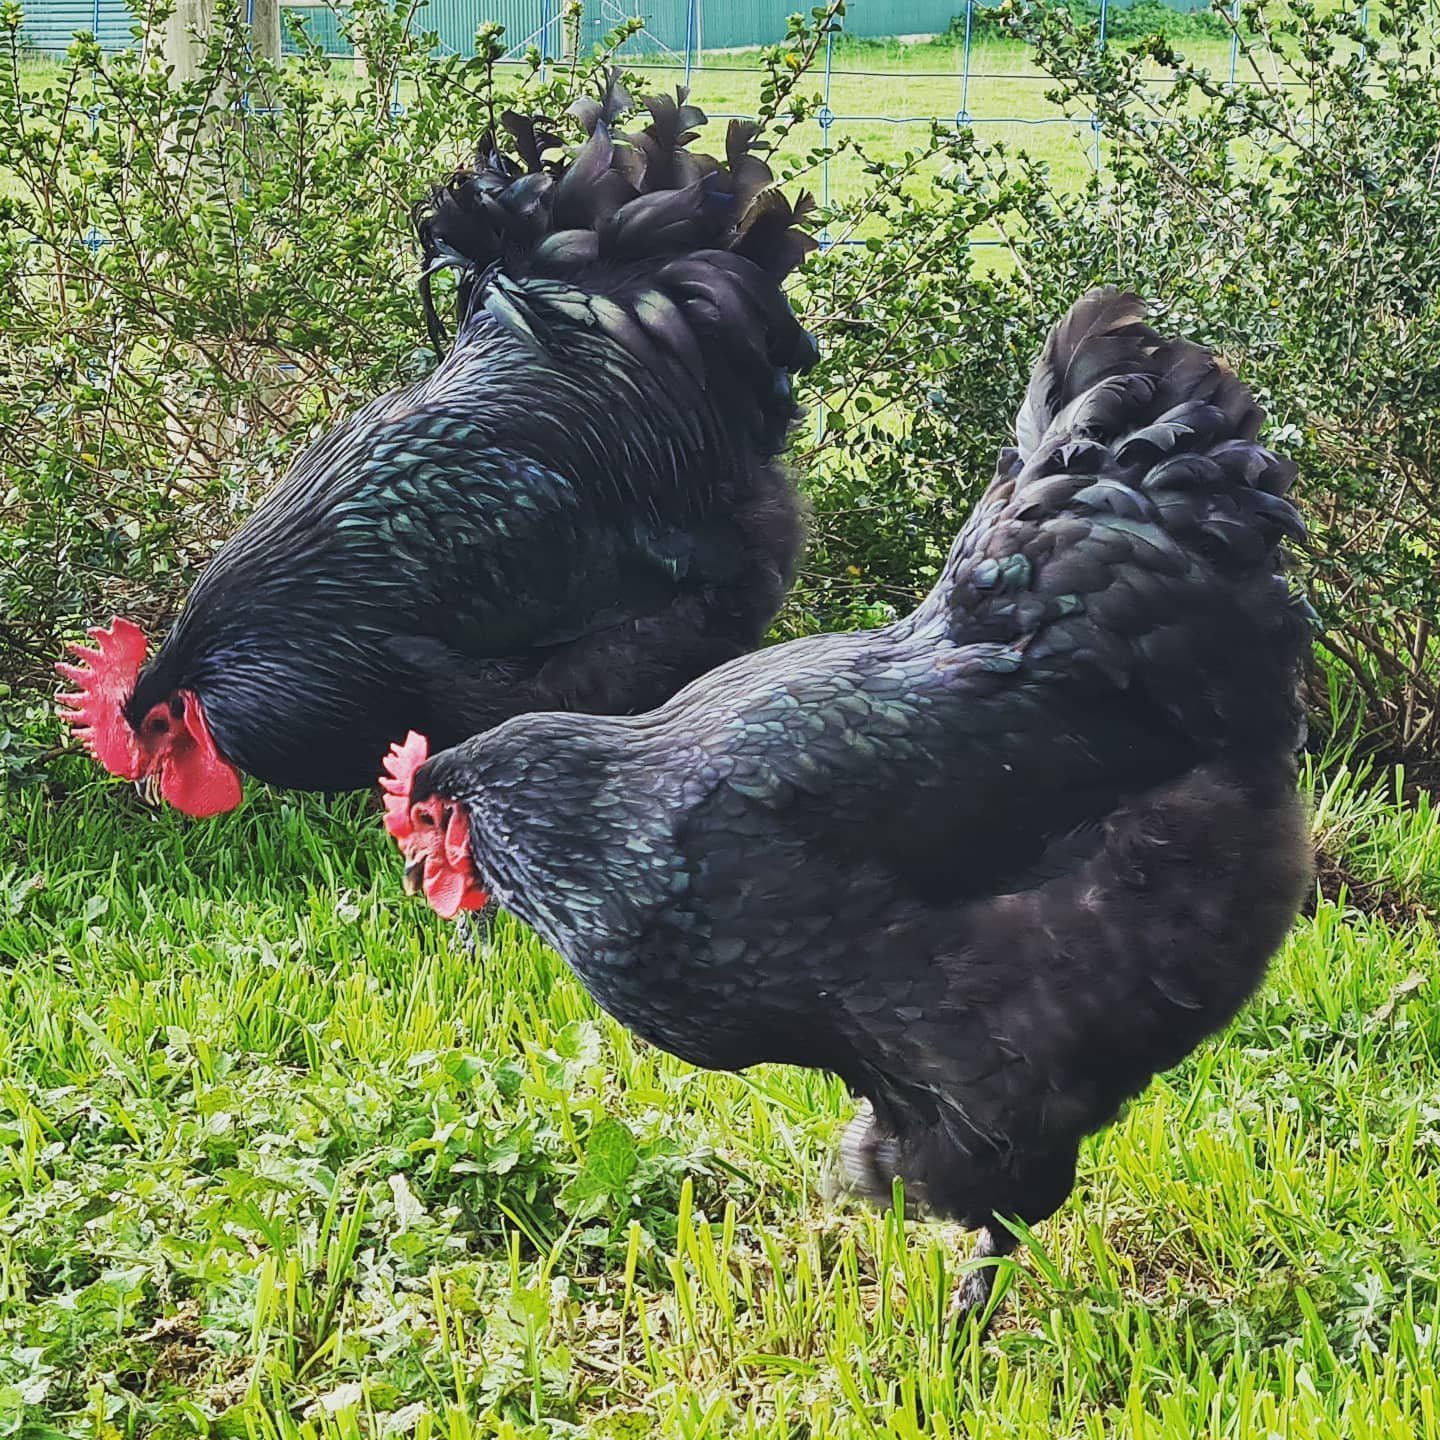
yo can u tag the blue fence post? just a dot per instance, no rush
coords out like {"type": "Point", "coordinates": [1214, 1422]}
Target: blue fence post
{"type": "Point", "coordinates": [1094, 118]}
{"type": "Point", "coordinates": [826, 117]}
{"type": "Point", "coordinates": [690, 29]}
{"type": "Point", "coordinates": [963, 118]}
{"type": "Point", "coordinates": [544, 40]}
{"type": "Point", "coordinates": [1234, 41]}
{"type": "Point", "coordinates": [250, 57]}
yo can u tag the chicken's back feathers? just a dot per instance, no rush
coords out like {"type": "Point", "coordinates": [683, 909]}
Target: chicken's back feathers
{"type": "Point", "coordinates": [994, 864]}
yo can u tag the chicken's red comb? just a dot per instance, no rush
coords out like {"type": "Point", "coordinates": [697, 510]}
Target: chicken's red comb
{"type": "Point", "coordinates": [105, 678]}
{"type": "Point", "coordinates": [400, 766]}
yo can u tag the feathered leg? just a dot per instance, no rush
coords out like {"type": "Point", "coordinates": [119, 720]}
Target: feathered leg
{"type": "Point", "coordinates": [868, 1161]}
{"type": "Point", "coordinates": [1030, 1186]}
{"type": "Point", "coordinates": [956, 1182]}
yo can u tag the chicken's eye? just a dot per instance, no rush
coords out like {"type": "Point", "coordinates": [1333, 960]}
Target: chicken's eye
{"type": "Point", "coordinates": [157, 725]}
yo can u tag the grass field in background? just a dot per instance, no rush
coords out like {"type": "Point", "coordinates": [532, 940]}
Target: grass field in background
{"type": "Point", "coordinates": [278, 1158]}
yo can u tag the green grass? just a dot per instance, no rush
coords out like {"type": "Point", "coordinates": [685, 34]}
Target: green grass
{"type": "Point", "coordinates": [885, 98]}
{"type": "Point", "coordinates": [277, 1158]}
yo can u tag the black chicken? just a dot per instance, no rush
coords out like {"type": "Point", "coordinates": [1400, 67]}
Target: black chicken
{"type": "Point", "coordinates": [994, 865]}
{"type": "Point", "coordinates": [579, 509]}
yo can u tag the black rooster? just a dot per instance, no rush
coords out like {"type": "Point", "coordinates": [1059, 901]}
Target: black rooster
{"type": "Point", "coordinates": [994, 865]}
{"type": "Point", "coordinates": [579, 509]}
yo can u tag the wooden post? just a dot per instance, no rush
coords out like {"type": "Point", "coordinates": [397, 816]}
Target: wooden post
{"type": "Point", "coordinates": [265, 29]}
{"type": "Point", "coordinates": [185, 34]}
{"type": "Point", "coordinates": [190, 25]}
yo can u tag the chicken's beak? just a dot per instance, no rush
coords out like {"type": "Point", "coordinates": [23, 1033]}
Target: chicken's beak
{"type": "Point", "coordinates": [147, 787]}
{"type": "Point", "coordinates": [414, 875]}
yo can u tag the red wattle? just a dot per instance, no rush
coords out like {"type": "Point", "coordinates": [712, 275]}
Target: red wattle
{"type": "Point", "coordinates": [194, 777]}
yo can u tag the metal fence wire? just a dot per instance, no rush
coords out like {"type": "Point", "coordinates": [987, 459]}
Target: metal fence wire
{"type": "Point", "coordinates": [871, 92]}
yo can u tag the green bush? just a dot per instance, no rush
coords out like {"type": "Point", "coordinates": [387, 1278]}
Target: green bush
{"type": "Point", "coordinates": [923, 359]}
{"type": "Point", "coordinates": [1137, 21]}
{"type": "Point", "coordinates": [258, 276]}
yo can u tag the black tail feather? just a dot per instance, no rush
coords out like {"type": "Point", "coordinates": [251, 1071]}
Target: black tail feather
{"type": "Point", "coordinates": [1139, 490]}
{"type": "Point", "coordinates": [676, 238]}
{"type": "Point", "coordinates": [612, 106]}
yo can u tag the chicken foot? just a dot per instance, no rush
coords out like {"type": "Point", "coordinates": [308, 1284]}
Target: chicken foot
{"type": "Point", "coordinates": [972, 1294]}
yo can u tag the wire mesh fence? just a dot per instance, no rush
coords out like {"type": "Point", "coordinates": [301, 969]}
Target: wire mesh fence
{"type": "Point", "coordinates": [883, 85]}
{"type": "Point", "coordinates": [895, 69]}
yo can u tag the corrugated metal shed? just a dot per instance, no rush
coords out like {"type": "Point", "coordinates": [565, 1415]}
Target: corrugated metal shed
{"type": "Point", "coordinates": [731, 24]}
{"type": "Point", "coordinates": [51, 24]}
{"type": "Point", "coordinates": [717, 24]}
{"type": "Point", "coordinates": [670, 25]}
{"type": "Point", "coordinates": [322, 25]}
{"type": "Point", "coordinates": [453, 21]}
